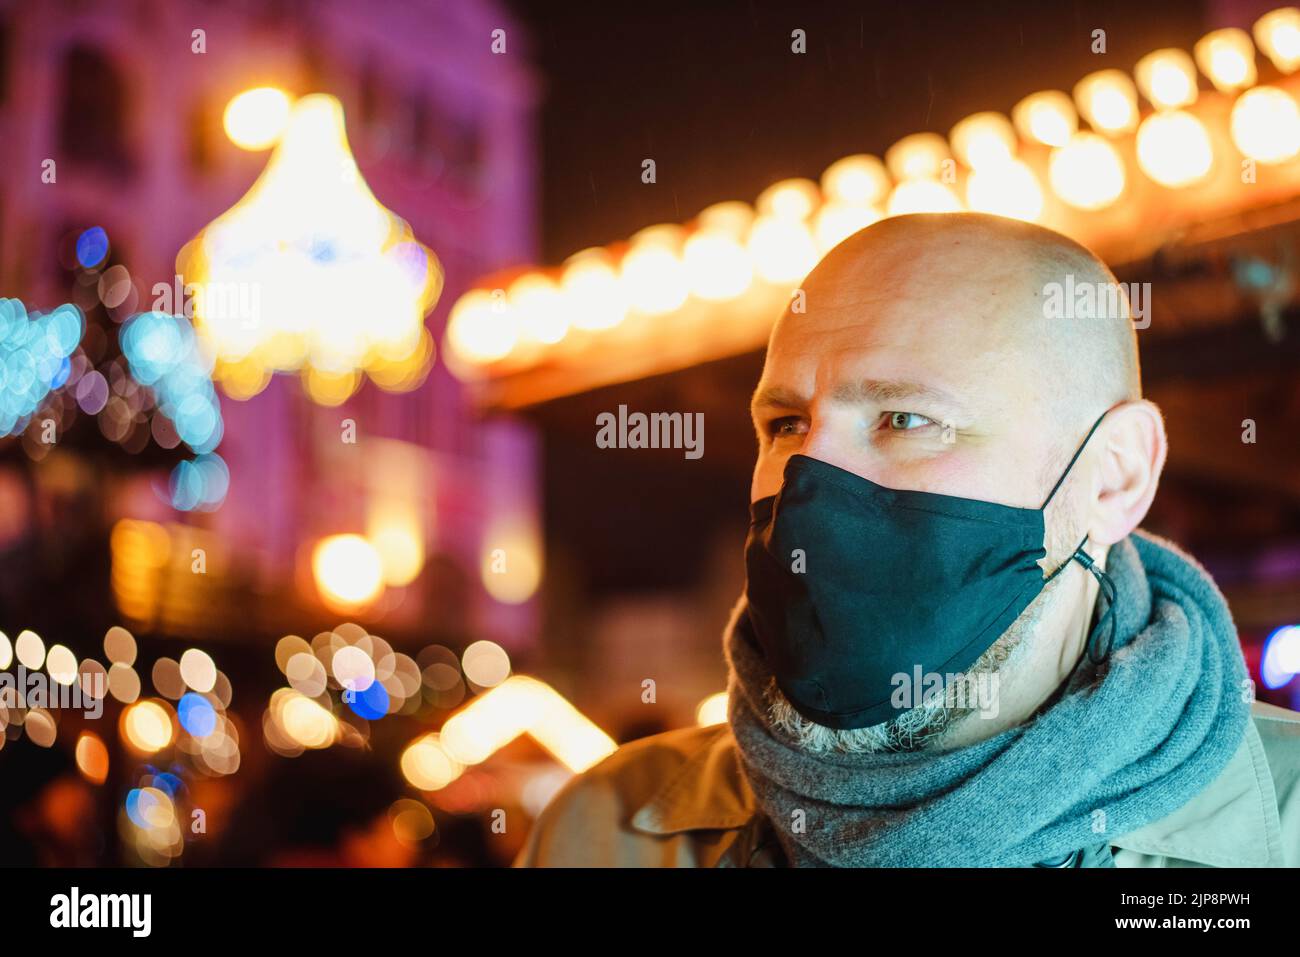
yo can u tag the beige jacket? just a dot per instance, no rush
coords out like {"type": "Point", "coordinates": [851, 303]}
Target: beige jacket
{"type": "Point", "coordinates": [679, 799]}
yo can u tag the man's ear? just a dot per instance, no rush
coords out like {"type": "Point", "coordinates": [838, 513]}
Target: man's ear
{"type": "Point", "coordinates": [1129, 472]}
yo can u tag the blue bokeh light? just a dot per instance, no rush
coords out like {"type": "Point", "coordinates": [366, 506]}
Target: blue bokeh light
{"type": "Point", "coordinates": [370, 704]}
{"type": "Point", "coordinates": [196, 714]}
{"type": "Point", "coordinates": [92, 247]}
{"type": "Point", "coordinates": [163, 353]}
{"type": "Point", "coordinates": [34, 358]}
{"type": "Point", "coordinates": [1281, 655]}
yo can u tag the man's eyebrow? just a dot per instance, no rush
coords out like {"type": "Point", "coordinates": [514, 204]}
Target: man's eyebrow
{"type": "Point", "coordinates": [889, 390]}
{"type": "Point", "coordinates": [863, 390]}
{"type": "Point", "coordinates": [775, 395]}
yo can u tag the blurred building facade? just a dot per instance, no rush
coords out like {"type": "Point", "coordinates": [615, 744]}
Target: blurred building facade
{"type": "Point", "coordinates": [111, 116]}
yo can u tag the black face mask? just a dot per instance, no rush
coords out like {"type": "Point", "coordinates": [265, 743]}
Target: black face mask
{"type": "Point", "coordinates": [851, 584]}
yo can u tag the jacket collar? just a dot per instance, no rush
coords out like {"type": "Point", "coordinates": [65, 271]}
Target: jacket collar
{"type": "Point", "coordinates": [1231, 823]}
{"type": "Point", "coordinates": [709, 791]}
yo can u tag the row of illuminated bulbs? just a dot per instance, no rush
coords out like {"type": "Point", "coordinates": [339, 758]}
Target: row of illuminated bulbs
{"type": "Point", "coordinates": [794, 222]}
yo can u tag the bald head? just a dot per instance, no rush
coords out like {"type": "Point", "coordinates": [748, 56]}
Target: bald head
{"type": "Point", "coordinates": [956, 319]}
{"type": "Point", "coordinates": [996, 281]}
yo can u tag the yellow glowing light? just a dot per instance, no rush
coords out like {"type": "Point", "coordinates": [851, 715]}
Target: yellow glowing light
{"type": "Point", "coordinates": [730, 218]}
{"type": "Point", "coordinates": [305, 722]}
{"type": "Point", "coordinates": [352, 668]}
{"type": "Point", "coordinates": [348, 571]}
{"type": "Point", "coordinates": [858, 180]}
{"type": "Point", "coordinates": [427, 766]}
{"type": "Point", "coordinates": [61, 663]}
{"type": "Point", "coordinates": [92, 757]}
{"type": "Point", "coordinates": [782, 249]}
{"type": "Point", "coordinates": [919, 156]}
{"type": "Point", "coordinates": [486, 664]}
{"type": "Point", "coordinates": [717, 266]}
{"type": "Point", "coordinates": [1167, 78]}
{"type": "Point", "coordinates": [1277, 34]}
{"type": "Point", "coordinates": [591, 287]}
{"type": "Point", "coordinates": [394, 529]}
{"type": "Point", "coordinates": [6, 651]}
{"type": "Point", "coordinates": [30, 650]}
{"type": "Point", "coordinates": [198, 670]}
{"type": "Point", "coordinates": [1010, 189]}
{"type": "Point", "coordinates": [712, 710]}
{"type": "Point", "coordinates": [524, 705]}
{"type": "Point", "coordinates": [512, 563]}
{"type": "Point", "coordinates": [1266, 125]}
{"type": "Point", "coordinates": [983, 140]}
{"type": "Point", "coordinates": [789, 199]}
{"type": "Point", "coordinates": [1174, 149]}
{"type": "Point", "coordinates": [1087, 172]}
{"type": "Point", "coordinates": [411, 821]}
{"type": "Point", "coordinates": [653, 275]}
{"type": "Point", "coordinates": [1046, 117]}
{"type": "Point", "coordinates": [836, 222]}
{"type": "Point", "coordinates": [481, 327]}
{"type": "Point", "coordinates": [1227, 57]}
{"type": "Point", "coordinates": [542, 313]}
{"type": "Point", "coordinates": [922, 196]}
{"type": "Point", "coordinates": [1107, 99]}
{"type": "Point", "coordinates": [308, 270]}
{"type": "Point", "coordinates": [147, 725]}
{"type": "Point", "coordinates": [255, 119]}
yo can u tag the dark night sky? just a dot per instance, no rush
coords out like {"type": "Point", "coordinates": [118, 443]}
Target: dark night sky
{"type": "Point", "coordinates": [713, 93]}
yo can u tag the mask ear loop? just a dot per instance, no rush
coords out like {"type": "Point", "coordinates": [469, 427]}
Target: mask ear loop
{"type": "Point", "coordinates": [1107, 585]}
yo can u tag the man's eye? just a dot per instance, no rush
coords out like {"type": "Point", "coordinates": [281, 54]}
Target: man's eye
{"type": "Point", "coordinates": [907, 421]}
{"type": "Point", "coordinates": [784, 426]}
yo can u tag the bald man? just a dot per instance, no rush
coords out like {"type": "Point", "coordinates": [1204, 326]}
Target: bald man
{"type": "Point", "coordinates": [955, 646]}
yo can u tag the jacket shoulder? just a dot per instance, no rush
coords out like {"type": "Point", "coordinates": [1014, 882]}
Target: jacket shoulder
{"type": "Point", "coordinates": [588, 821]}
{"type": "Point", "coordinates": [1279, 732]}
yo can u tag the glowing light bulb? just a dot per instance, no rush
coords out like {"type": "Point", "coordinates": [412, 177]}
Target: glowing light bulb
{"type": "Point", "coordinates": [1046, 117]}
{"type": "Point", "coordinates": [1227, 57]}
{"type": "Point", "coordinates": [481, 328]}
{"type": "Point", "coordinates": [1008, 189]}
{"type": "Point", "coordinates": [1174, 149]}
{"type": "Point", "coordinates": [859, 180]}
{"type": "Point", "coordinates": [1277, 34]}
{"type": "Point", "coordinates": [255, 119]}
{"type": "Point", "coordinates": [922, 196]}
{"type": "Point", "coordinates": [348, 571]}
{"type": "Point", "coordinates": [919, 156]}
{"type": "Point", "coordinates": [789, 199]}
{"type": "Point", "coordinates": [1087, 172]}
{"type": "Point", "coordinates": [1167, 78]}
{"type": "Point", "coordinates": [1107, 99]}
{"type": "Point", "coordinates": [147, 725]}
{"type": "Point", "coordinates": [983, 140]}
{"type": "Point", "coordinates": [1265, 125]}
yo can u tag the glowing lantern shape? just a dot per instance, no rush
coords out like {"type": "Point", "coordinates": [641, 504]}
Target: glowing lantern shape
{"type": "Point", "coordinates": [309, 273]}
{"type": "Point", "coordinates": [1174, 149]}
{"type": "Point", "coordinates": [1266, 125]}
{"type": "Point", "coordinates": [1277, 34]}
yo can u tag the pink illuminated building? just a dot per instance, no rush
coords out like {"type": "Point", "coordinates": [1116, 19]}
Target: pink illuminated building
{"type": "Point", "coordinates": [126, 99]}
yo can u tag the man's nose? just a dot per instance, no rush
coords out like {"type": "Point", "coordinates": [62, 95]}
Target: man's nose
{"type": "Point", "coordinates": [832, 439]}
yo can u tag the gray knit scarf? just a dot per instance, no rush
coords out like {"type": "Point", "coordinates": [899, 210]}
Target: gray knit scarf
{"type": "Point", "coordinates": [1134, 738]}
